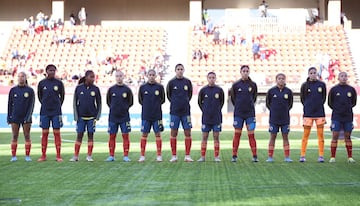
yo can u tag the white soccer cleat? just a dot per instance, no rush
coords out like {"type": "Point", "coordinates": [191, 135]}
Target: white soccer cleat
{"type": "Point", "coordinates": [173, 158]}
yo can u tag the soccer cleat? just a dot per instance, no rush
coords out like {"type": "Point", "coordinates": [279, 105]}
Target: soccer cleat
{"type": "Point", "coordinates": [89, 159]}
{"type": "Point", "coordinates": [59, 159]}
{"type": "Point", "coordinates": [141, 159]}
{"type": "Point", "coordinates": [287, 159]}
{"type": "Point", "coordinates": [351, 160]}
{"type": "Point", "coordinates": [270, 159]}
{"type": "Point", "coordinates": [126, 159]}
{"type": "Point", "coordinates": [332, 160]}
{"type": "Point", "coordinates": [202, 159]}
{"type": "Point", "coordinates": [42, 159]}
{"type": "Point", "coordinates": [321, 159]}
{"type": "Point", "coordinates": [217, 159]}
{"type": "Point", "coordinates": [110, 159]}
{"type": "Point", "coordinates": [13, 159]}
{"type": "Point", "coordinates": [159, 159]}
{"type": "Point", "coordinates": [302, 159]}
{"type": "Point", "coordinates": [74, 159]}
{"type": "Point", "coordinates": [173, 158]}
{"type": "Point", "coordinates": [27, 159]}
{"type": "Point", "coordinates": [234, 159]}
{"type": "Point", "coordinates": [255, 159]}
{"type": "Point", "coordinates": [188, 158]}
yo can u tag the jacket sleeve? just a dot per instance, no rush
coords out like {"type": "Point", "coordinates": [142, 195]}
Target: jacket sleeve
{"type": "Point", "coordinates": [30, 108]}
{"type": "Point", "coordinates": [291, 99]}
{"type": "Point", "coordinates": [222, 97]}
{"type": "Point", "coordinates": [168, 91]}
{"type": "Point", "coordinates": [268, 99]}
{"type": "Point", "coordinates": [162, 94]}
{"type": "Point", "coordinates": [232, 95]}
{"type": "Point", "coordinates": [98, 104]}
{"type": "Point", "coordinates": [324, 94]}
{"type": "Point", "coordinates": [190, 93]}
{"type": "Point", "coordinates": [302, 93]}
{"type": "Point", "coordinates": [10, 106]}
{"type": "Point", "coordinates": [131, 98]}
{"type": "Point", "coordinates": [62, 92]}
{"type": "Point", "coordinates": [200, 99]}
{"type": "Point", "coordinates": [76, 115]}
{"type": "Point", "coordinates": [108, 97]}
{"type": "Point", "coordinates": [330, 99]}
{"type": "Point", "coordinates": [255, 92]}
{"type": "Point", "coordinates": [140, 97]}
{"type": "Point", "coordinates": [354, 99]}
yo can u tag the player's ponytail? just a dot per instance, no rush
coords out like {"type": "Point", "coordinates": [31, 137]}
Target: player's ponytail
{"type": "Point", "coordinates": [87, 73]}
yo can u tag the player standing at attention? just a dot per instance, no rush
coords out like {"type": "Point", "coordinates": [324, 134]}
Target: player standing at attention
{"type": "Point", "coordinates": [119, 98]}
{"type": "Point", "coordinates": [20, 108]}
{"type": "Point", "coordinates": [51, 94]}
{"type": "Point", "coordinates": [342, 98]}
{"type": "Point", "coordinates": [151, 96]}
{"type": "Point", "coordinates": [179, 92]}
{"type": "Point", "coordinates": [211, 100]}
{"type": "Point", "coordinates": [87, 109]}
{"type": "Point", "coordinates": [313, 97]}
{"type": "Point", "coordinates": [243, 95]}
{"type": "Point", "coordinates": [279, 100]}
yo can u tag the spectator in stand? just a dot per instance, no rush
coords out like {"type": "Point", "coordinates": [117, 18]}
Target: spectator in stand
{"type": "Point", "coordinates": [82, 16]}
{"type": "Point", "coordinates": [216, 38]}
{"type": "Point", "coordinates": [263, 8]}
{"type": "Point", "coordinates": [72, 19]}
{"type": "Point", "coordinates": [256, 49]}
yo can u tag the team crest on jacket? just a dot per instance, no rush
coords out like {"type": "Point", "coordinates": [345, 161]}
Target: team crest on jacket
{"type": "Point", "coordinates": [157, 92]}
{"type": "Point", "coordinates": [92, 93]}
{"type": "Point", "coordinates": [349, 94]}
{"type": "Point", "coordinates": [124, 94]}
{"type": "Point", "coordinates": [319, 89]}
{"type": "Point", "coordinates": [216, 96]}
{"type": "Point", "coordinates": [250, 89]}
{"type": "Point", "coordinates": [286, 96]}
{"type": "Point", "coordinates": [186, 87]}
{"type": "Point", "coordinates": [56, 88]}
{"type": "Point", "coordinates": [26, 95]}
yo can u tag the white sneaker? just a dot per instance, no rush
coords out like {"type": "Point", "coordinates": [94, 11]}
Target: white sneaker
{"type": "Point", "coordinates": [89, 159]}
{"type": "Point", "coordinates": [74, 159]}
{"type": "Point", "coordinates": [217, 159]}
{"type": "Point", "coordinates": [159, 159]}
{"type": "Point", "coordinates": [188, 159]}
{"type": "Point", "coordinates": [141, 159]}
{"type": "Point", "coordinates": [173, 159]}
{"type": "Point", "coordinates": [202, 159]}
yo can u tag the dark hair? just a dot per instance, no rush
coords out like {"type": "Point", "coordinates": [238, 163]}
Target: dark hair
{"type": "Point", "coordinates": [311, 68]}
{"type": "Point", "coordinates": [87, 73]}
{"type": "Point", "coordinates": [280, 74]}
{"type": "Point", "coordinates": [211, 73]}
{"type": "Point", "coordinates": [50, 66]}
{"type": "Point", "coordinates": [243, 66]}
{"type": "Point", "coordinates": [179, 65]}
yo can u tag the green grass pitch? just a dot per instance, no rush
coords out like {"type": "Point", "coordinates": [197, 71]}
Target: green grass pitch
{"type": "Point", "coordinates": [181, 183]}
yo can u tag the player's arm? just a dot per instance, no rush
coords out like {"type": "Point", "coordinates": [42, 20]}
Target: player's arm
{"type": "Point", "coordinates": [62, 92]}
{"type": "Point", "coordinates": [324, 94]}
{"type": "Point", "coordinates": [222, 97]}
{"type": "Point", "coordinates": [291, 99]}
{"type": "Point", "coordinates": [190, 91]}
{"type": "Point", "coordinates": [330, 99]}
{"type": "Point", "coordinates": [255, 92]}
{"type": "Point", "coordinates": [31, 107]}
{"type": "Point", "coordinates": [75, 103]}
{"type": "Point", "coordinates": [162, 95]}
{"type": "Point", "coordinates": [303, 92]}
{"type": "Point", "coordinates": [98, 103]}
{"type": "Point", "coordinates": [10, 106]}
{"type": "Point", "coordinates": [168, 91]}
{"type": "Point", "coordinates": [268, 99]}
{"type": "Point", "coordinates": [200, 99]}
{"type": "Point", "coordinates": [39, 92]}
{"type": "Point", "coordinates": [354, 97]}
{"type": "Point", "coordinates": [140, 97]}
{"type": "Point", "coordinates": [108, 97]}
{"type": "Point", "coordinates": [130, 97]}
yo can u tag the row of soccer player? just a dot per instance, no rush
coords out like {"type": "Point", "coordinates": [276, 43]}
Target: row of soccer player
{"type": "Point", "coordinates": [179, 90]}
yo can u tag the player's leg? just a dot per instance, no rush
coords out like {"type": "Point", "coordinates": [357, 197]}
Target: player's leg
{"type": "Point", "coordinates": [174, 127]}
{"type": "Point", "coordinates": [250, 126]}
{"type": "Point", "coordinates": [26, 129]}
{"type": "Point", "coordinates": [15, 127]}
{"type": "Point", "coordinates": [238, 125]}
{"type": "Point", "coordinates": [307, 123]}
{"type": "Point", "coordinates": [186, 123]}
{"type": "Point", "coordinates": [45, 125]}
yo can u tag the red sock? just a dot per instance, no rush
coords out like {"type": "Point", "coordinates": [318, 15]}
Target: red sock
{"type": "Point", "coordinates": [90, 147]}
{"type": "Point", "coordinates": [188, 141]}
{"type": "Point", "coordinates": [126, 144]}
{"type": "Point", "coordinates": [27, 147]}
{"type": "Point", "coordinates": [44, 141]}
{"type": "Point", "coordinates": [158, 145]}
{"type": "Point", "coordinates": [112, 144]}
{"type": "Point", "coordinates": [252, 143]}
{"type": "Point", "coordinates": [13, 148]}
{"type": "Point", "coordinates": [57, 138]}
{"type": "Point", "coordinates": [333, 148]}
{"type": "Point", "coordinates": [216, 148]}
{"type": "Point", "coordinates": [77, 148]}
{"type": "Point", "coordinates": [271, 150]}
{"type": "Point", "coordinates": [203, 148]}
{"type": "Point", "coordinates": [348, 145]}
{"type": "Point", "coordinates": [236, 143]}
{"type": "Point", "coordinates": [173, 145]}
{"type": "Point", "coordinates": [142, 146]}
{"type": "Point", "coordinates": [286, 150]}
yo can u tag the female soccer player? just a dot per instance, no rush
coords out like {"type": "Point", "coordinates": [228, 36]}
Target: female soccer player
{"type": "Point", "coordinates": [51, 94]}
{"type": "Point", "coordinates": [151, 96]}
{"type": "Point", "coordinates": [119, 98]}
{"type": "Point", "coordinates": [211, 100]}
{"type": "Point", "coordinates": [20, 108]}
{"type": "Point", "coordinates": [279, 100]}
{"type": "Point", "coordinates": [87, 109]}
{"type": "Point", "coordinates": [243, 95]}
{"type": "Point", "coordinates": [313, 97]}
{"type": "Point", "coordinates": [342, 98]}
{"type": "Point", "coordinates": [179, 92]}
